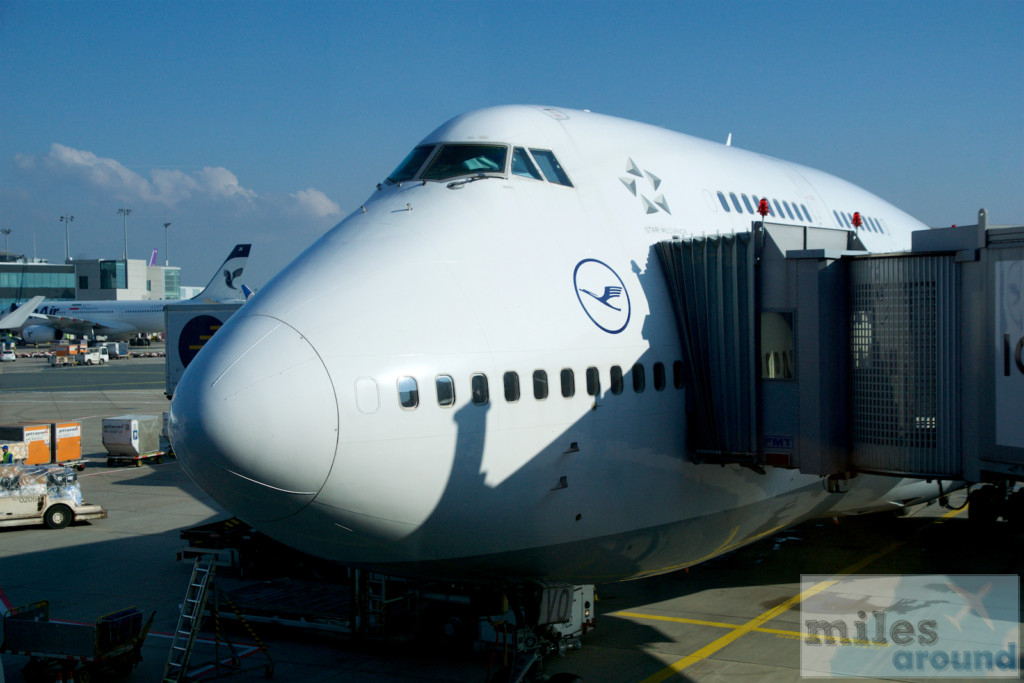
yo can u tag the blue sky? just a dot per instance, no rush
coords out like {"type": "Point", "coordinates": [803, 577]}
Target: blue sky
{"type": "Point", "coordinates": [268, 122]}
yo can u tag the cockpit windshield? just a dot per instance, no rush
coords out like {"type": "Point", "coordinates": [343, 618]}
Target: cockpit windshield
{"type": "Point", "coordinates": [462, 159]}
{"type": "Point", "coordinates": [452, 161]}
{"type": "Point", "coordinates": [411, 164]}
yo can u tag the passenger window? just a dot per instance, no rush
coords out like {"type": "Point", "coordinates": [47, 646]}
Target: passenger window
{"type": "Point", "coordinates": [616, 380]}
{"type": "Point", "coordinates": [677, 374]}
{"type": "Point", "coordinates": [478, 387]}
{"type": "Point", "coordinates": [735, 202]}
{"type": "Point", "coordinates": [789, 213]}
{"type": "Point", "coordinates": [511, 387]}
{"type": "Point", "coordinates": [839, 221]}
{"type": "Point", "coordinates": [639, 381]}
{"type": "Point", "coordinates": [408, 393]}
{"type": "Point", "coordinates": [779, 208]}
{"type": "Point", "coordinates": [549, 164]}
{"type": "Point", "coordinates": [659, 377]}
{"type": "Point", "coordinates": [746, 202]}
{"type": "Point", "coordinates": [846, 219]}
{"type": "Point", "coordinates": [411, 164]}
{"type": "Point", "coordinates": [457, 160]}
{"type": "Point", "coordinates": [445, 386]}
{"type": "Point", "coordinates": [593, 381]}
{"type": "Point", "coordinates": [522, 165]}
{"type": "Point", "coordinates": [540, 385]}
{"type": "Point", "coordinates": [568, 383]}
{"type": "Point", "coordinates": [807, 214]}
{"type": "Point", "coordinates": [725, 204]}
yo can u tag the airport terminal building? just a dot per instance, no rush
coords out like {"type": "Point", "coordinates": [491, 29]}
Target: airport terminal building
{"type": "Point", "coordinates": [85, 279]}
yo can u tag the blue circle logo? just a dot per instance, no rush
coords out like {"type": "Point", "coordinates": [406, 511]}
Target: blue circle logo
{"type": "Point", "coordinates": [602, 294]}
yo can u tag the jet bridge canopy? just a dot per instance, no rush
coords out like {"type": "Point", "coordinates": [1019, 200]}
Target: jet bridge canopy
{"type": "Point", "coordinates": [804, 351]}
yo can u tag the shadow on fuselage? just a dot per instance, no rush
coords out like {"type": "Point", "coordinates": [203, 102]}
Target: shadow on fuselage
{"type": "Point", "coordinates": [611, 495]}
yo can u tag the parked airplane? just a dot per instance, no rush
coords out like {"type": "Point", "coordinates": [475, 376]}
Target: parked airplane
{"type": "Point", "coordinates": [473, 375]}
{"type": "Point", "coordinates": [17, 317]}
{"type": "Point", "coordinates": [127, 319]}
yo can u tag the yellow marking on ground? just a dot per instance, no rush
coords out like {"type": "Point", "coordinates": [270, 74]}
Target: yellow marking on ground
{"type": "Point", "coordinates": [756, 623]}
{"type": "Point", "coordinates": [782, 633]}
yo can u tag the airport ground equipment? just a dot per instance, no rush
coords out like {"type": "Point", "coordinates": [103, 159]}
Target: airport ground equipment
{"type": "Point", "coordinates": [189, 621]}
{"type": "Point", "coordinates": [45, 443]}
{"type": "Point", "coordinates": [201, 585]}
{"type": "Point", "coordinates": [36, 436]}
{"type": "Point", "coordinates": [132, 439]}
{"type": "Point", "coordinates": [81, 652]}
{"type": "Point", "coordinates": [518, 624]}
{"type": "Point", "coordinates": [43, 494]}
{"type": "Point", "coordinates": [803, 351]}
{"type": "Point", "coordinates": [189, 326]}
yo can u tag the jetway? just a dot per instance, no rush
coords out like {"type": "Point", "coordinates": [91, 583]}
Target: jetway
{"type": "Point", "coordinates": [804, 351]}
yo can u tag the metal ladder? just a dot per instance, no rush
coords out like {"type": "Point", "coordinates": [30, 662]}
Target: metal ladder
{"type": "Point", "coordinates": [189, 620]}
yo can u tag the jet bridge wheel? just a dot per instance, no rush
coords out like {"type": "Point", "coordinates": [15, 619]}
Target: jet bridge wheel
{"type": "Point", "coordinates": [985, 506]}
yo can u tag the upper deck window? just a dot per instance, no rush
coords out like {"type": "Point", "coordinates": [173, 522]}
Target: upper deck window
{"type": "Point", "coordinates": [550, 166]}
{"type": "Point", "coordinates": [452, 161]}
{"type": "Point", "coordinates": [411, 165]}
{"type": "Point", "coordinates": [522, 165]}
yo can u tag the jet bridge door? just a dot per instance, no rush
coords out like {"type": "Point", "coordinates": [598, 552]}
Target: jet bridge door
{"type": "Point", "coordinates": [712, 284]}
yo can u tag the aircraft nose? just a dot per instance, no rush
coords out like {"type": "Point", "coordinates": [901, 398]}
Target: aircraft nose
{"type": "Point", "coordinates": [254, 419]}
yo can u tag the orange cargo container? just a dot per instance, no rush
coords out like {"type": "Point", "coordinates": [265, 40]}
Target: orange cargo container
{"type": "Point", "coordinates": [66, 442]}
{"type": "Point", "coordinates": [37, 436]}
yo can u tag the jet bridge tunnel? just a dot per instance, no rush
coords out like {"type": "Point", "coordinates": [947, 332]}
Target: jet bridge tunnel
{"type": "Point", "coordinates": [804, 351]}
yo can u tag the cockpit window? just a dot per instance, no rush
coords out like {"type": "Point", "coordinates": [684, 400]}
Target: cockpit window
{"type": "Point", "coordinates": [523, 165]}
{"type": "Point", "coordinates": [408, 168]}
{"type": "Point", "coordinates": [549, 164]}
{"type": "Point", "coordinates": [458, 160]}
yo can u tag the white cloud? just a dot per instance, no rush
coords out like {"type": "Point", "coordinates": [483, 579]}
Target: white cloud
{"type": "Point", "coordinates": [316, 203]}
{"type": "Point", "coordinates": [165, 186]}
{"type": "Point", "coordinates": [222, 182]}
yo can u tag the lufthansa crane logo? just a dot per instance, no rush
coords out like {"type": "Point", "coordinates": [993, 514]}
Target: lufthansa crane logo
{"type": "Point", "coordinates": [602, 294]}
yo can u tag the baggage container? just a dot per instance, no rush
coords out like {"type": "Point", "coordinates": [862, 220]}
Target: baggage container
{"type": "Point", "coordinates": [66, 443]}
{"type": "Point", "coordinates": [132, 434]}
{"type": "Point", "coordinates": [36, 435]}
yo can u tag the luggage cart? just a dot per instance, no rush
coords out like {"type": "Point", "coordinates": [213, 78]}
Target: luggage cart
{"type": "Point", "coordinates": [83, 653]}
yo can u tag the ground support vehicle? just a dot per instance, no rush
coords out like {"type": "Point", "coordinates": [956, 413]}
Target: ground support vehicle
{"type": "Point", "coordinates": [83, 653]}
{"type": "Point", "coordinates": [136, 459]}
{"type": "Point", "coordinates": [43, 494]}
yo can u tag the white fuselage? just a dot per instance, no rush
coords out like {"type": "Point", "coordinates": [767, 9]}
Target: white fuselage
{"type": "Point", "coordinates": [291, 417]}
{"type": "Point", "coordinates": [106, 318]}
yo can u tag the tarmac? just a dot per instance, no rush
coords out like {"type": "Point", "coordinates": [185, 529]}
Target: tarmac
{"type": "Point", "coordinates": [735, 617]}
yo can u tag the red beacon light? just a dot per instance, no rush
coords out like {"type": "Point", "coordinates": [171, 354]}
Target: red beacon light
{"type": "Point", "coordinates": [763, 208]}
{"type": "Point", "coordinates": [857, 222]}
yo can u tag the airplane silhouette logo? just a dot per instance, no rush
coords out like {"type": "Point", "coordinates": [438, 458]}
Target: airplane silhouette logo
{"type": "Point", "coordinates": [229, 277]}
{"type": "Point", "coordinates": [972, 602]}
{"type": "Point", "coordinates": [609, 293]}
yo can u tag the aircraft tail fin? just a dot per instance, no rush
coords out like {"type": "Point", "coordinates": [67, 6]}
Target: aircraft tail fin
{"type": "Point", "coordinates": [16, 318]}
{"type": "Point", "coordinates": [226, 284]}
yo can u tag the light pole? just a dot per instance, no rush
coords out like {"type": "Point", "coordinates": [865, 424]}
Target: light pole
{"type": "Point", "coordinates": [7, 237]}
{"type": "Point", "coordinates": [167, 254]}
{"type": "Point", "coordinates": [66, 220]}
{"type": "Point", "coordinates": [124, 213]}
